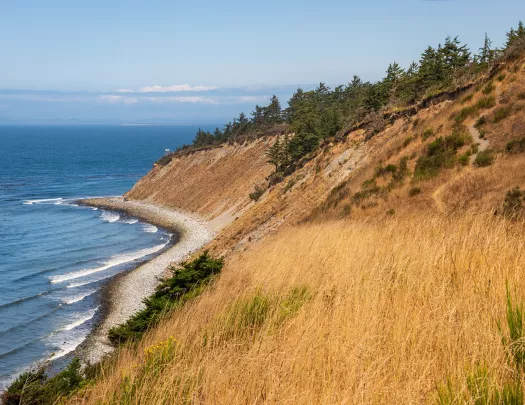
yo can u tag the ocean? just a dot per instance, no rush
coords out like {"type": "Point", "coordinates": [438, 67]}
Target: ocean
{"type": "Point", "coordinates": [56, 255]}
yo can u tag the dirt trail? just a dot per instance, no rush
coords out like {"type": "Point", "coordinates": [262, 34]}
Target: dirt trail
{"type": "Point", "coordinates": [483, 145]}
{"type": "Point", "coordinates": [477, 139]}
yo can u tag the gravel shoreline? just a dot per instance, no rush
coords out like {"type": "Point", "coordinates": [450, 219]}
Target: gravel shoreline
{"type": "Point", "coordinates": [124, 296]}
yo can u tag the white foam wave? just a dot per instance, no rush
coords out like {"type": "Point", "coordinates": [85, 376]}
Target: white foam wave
{"type": "Point", "coordinates": [109, 216]}
{"type": "Point", "coordinates": [130, 221]}
{"type": "Point", "coordinates": [77, 298]}
{"type": "Point", "coordinates": [42, 201]}
{"type": "Point", "coordinates": [70, 336]}
{"type": "Point", "coordinates": [112, 262]}
{"type": "Point", "coordinates": [75, 285]}
{"type": "Point", "coordinates": [94, 208]}
{"type": "Point", "coordinates": [150, 228]}
{"type": "Point", "coordinates": [80, 321]}
{"type": "Point", "coordinates": [68, 347]}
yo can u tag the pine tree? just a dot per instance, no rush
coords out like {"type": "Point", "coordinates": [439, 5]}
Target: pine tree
{"type": "Point", "coordinates": [486, 54]}
{"type": "Point", "coordinates": [272, 113]}
{"type": "Point", "coordinates": [218, 135]}
{"type": "Point", "coordinates": [520, 32]}
{"type": "Point", "coordinates": [391, 82]}
{"type": "Point", "coordinates": [431, 68]}
{"type": "Point", "coordinates": [511, 37]}
{"type": "Point", "coordinates": [455, 55]}
{"type": "Point", "coordinates": [258, 115]}
{"type": "Point", "coordinates": [275, 153]}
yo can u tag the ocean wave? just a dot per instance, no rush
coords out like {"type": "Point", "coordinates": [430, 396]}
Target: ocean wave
{"type": "Point", "coordinates": [28, 322]}
{"type": "Point", "coordinates": [42, 201]}
{"type": "Point", "coordinates": [112, 262]}
{"type": "Point", "coordinates": [75, 285]}
{"type": "Point", "coordinates": [109, 216]}
{"type": "Point", "coordinates": [18, 348]}
{"type": "Point", "coordinates": [68, 347]}
{"type": "Point", "coordinates": [130, 221]}
{"type": "Point", "coordinates": [149, 228]}
{"type": "Point", "coordinates": [28, 298]}
{"type": "Point", "coordinates": [77, 298]}
{"type": "Point", "coordinates": [80, 321]}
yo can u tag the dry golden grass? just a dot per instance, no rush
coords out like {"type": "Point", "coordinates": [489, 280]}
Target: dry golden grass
{"type": "Point", "coordinates": [369, 312]}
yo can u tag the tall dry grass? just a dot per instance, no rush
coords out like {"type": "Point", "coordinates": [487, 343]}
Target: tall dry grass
{"type": "Point", "coordinates": [349, 312]}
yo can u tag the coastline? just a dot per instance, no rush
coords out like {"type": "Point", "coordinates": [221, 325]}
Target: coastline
{"type": "Point", "coordinates": [123, 296]}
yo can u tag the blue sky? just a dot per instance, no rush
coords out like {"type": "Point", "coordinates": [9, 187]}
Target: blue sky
{"type": "Point", "coordinates": [67, 60]}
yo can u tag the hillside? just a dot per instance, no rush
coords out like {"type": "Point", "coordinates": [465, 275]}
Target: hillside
{"type": "Point", "coordinates": [373, 245]}
{"type": "Point", "coordinates": [356, 175]}
{"type": "Point", "coordinates": [393, 296]}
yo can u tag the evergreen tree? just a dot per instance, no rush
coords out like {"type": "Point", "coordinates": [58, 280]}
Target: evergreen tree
{"type": "Point", "coordinates": [511, 37]}
{"type": "Point", "coordinates": [391, 82]}
{"type": "Point", "coordinates": [486, 53]}
{"type": "Point", "coordinates": [455, 55]}
{"type": "Point", "coordinates": [520, 32]}
{"type": "Point", "coordinates": [430, 68]}
{"type": "Point", "coordinates": [275, 153]}
{"type": "Point", "coordinates": [272, 113]}
{"type": "Point", "coordinates": [258, 115]}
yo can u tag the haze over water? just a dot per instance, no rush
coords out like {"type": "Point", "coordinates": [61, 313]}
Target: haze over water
{"type": "Point", "coordinates": [54, 254]}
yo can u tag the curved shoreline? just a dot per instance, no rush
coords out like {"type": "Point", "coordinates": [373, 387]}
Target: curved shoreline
{"type": "Point", "coordinates": [125, 294]}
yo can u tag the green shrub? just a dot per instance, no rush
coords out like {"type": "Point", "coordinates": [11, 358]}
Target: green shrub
{"type": "Point", "coordinates": [275, 178]}
{"type": "Point", "coordinates": [463, 114]}
{"type": "Point", "coordinates": [501, 77]}
{"type": "Point", "coordinates": [521, 96]}
{"type": "Point", "coordinates": [516, 146]}
{"type": "Point", "coordinates": [384, 170]}
{"type": "Point", "coordinates": [512, 205]}
{"type": "Point", "coordinates": [427, 133]}
{"type": "Point", "coordinates": [164, 160]}
{"type": "Point", "coordinates": [257, 193]}
{"type": "Point", "coordinates": [488, 89]}
{"type": "Point", "coordinates": [480, 122]}
{"type": "Point", "coordinates": [414, 191]}
{"type": "Point", "coordinates": [484, 158]}
{"type": "Point", "coordinates": [466, 99]}
{"type": "Point", "coordinates": [36, 388]}
{"type": "Point", "coordinates": [407, 141]}
{"type": "Point", "coordinates": [184, 284]}
{"type": "Point", "coordinates": [464, 159]}
{"type": "Point", "coordinates": [391, 211]}
{"type": "Point", "coordinates": [500, 114]}
{"type": "Point", "coordinates": [441, 153]}
{"type": "Point", "coordinates": [482, 104]}
{"type": "Point", "coordinates": [485, 103]}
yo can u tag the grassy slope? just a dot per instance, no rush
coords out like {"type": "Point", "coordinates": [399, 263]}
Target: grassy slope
{"type": "Point", "coordinates": [385, 312]}
{"type": "Point", "coordinates": [370, 309]}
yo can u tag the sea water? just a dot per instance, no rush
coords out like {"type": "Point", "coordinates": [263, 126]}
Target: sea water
{"type": "Point", "coordinates": [56, 255]}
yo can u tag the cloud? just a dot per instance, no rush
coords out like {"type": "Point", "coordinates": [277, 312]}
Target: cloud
{"type": "Point", "coordinates": [183, 99]}
{"type": "Point", "coordinates": [168, 89]}
{"type": "Point", "coordinates": [112, 99]}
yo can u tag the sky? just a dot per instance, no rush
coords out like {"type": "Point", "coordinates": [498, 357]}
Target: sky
{"type": "Point", "coordinates": [172, 61]}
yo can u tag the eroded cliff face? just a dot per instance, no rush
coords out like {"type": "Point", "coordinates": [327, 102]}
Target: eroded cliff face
{"type": "Point", "coordinates": [214, 183]}
{"type": "Point", "coordinates": [357, 176]}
